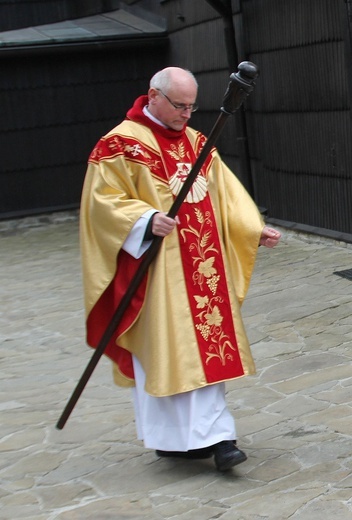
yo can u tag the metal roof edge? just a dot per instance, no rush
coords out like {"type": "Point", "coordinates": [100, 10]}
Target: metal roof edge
{"type": "Point", "coordinates": [125, 27]}
{"type": "Point", "coordinates": [98, 44]}
{"type": "Point", "coordinates": [145, 14]}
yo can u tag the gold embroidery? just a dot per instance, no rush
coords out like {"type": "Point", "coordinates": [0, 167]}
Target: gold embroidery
{"type": "Point", "coordinates": [177, 152]}
{"type": "Point", "coordinates": [206, 276]}
{"type": "Point", "coordinates": [199, 187]}
{"type": "Point", "coordinates": [137, 150]}
{"type": "Point", "coordinates": [96, 153]}
{"type": "Point", "coordinates": [114, 143]}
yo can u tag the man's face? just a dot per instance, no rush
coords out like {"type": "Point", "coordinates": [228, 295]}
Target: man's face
{"type": "Point", "coordinates": [162, 104]}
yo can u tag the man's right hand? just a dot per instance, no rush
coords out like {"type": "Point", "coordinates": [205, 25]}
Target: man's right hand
{"type": "Point", "coordinates": [163, 225]}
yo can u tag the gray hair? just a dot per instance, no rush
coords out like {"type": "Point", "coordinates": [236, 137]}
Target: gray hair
{"type": "Point", "coordinates": [163, 79]}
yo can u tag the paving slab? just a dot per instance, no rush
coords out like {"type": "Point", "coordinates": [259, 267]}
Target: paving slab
{"type": "Point", "coordinates": [294, 417]}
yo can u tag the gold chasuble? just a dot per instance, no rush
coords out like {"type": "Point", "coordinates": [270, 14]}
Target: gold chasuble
{"type": "Point", "coordinates": [184, 323]}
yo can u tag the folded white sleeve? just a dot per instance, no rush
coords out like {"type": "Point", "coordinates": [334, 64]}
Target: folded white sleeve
{"type": "Point", "coordinates": [134, 243]}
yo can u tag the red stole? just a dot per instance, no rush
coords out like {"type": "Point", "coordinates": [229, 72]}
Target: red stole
{"type": "Point", "coordinates": [202, 261]}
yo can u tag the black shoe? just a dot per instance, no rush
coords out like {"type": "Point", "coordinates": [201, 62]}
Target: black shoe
{"type": "Point", "coordinates": [200, 453]}
{"type": "Point", "coordinates": [227, 455]}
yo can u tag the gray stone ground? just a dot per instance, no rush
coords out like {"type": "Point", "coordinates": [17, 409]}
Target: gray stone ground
{"type": "Point", "coordinates": [294, 417]}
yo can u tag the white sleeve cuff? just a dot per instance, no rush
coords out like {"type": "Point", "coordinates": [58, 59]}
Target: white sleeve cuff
{"type": "Point", "coordinates": [134, 244]}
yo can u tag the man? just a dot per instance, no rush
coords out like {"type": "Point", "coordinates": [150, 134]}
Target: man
{"type": "Point", "coordinates": [182, 336]}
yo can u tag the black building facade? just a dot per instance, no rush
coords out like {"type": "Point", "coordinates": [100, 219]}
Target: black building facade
{"type": "Point", "coordinates": [62, 86]}
{"type": "Point", "coordinates": [290, 145]}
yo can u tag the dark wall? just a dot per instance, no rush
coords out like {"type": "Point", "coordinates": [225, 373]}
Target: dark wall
{"type": "Point", "coordinates": [298, 119]}
{"type": "Point", "coordinates": [300, 124]}
{"type": "Point", "coordinates": [55, 109]}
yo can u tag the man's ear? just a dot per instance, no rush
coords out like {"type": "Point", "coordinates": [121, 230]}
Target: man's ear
{"type": "Point", "coordinates": [152, 93]}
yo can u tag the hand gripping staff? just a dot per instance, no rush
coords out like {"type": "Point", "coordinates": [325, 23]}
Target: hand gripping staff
{"type": "Point", "coordinates": [240, 86]}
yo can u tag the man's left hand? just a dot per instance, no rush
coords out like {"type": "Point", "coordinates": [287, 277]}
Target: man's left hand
{"type": "Point", "coordinates": [269, 237]}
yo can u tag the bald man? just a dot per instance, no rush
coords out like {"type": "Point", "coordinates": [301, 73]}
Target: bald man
{"type": "Point", "coordinates": [182, 337]}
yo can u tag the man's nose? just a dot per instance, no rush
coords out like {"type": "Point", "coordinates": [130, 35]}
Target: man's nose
{"type": "Point", "coordinates": [186, 113]}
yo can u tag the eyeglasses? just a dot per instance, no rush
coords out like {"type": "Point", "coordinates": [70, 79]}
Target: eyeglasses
{"type": "Point", "coordinates": [181, 107]}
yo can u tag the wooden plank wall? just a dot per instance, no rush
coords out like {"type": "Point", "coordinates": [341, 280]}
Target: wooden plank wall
{"type": "Point", "coordinates": [299, 116]}
{"type": "Point", "coordinates": [300, 123]}
{"type": "Point", "coordinates": [56, 108]}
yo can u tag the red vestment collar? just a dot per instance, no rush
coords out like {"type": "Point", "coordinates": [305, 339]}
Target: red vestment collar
{"type": "Point", "coordinates": [136, 114]}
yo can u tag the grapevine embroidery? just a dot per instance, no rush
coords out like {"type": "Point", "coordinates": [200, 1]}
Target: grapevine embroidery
{"type": "Point", "coordinates": [206, 276]}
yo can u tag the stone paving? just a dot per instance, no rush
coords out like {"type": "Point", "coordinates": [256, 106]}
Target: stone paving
{"type": "Point", "coordinates": [294, 417]}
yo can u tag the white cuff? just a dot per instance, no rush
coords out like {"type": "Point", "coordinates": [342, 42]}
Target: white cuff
{"type": "Point", "coordinates": [134, 243]}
